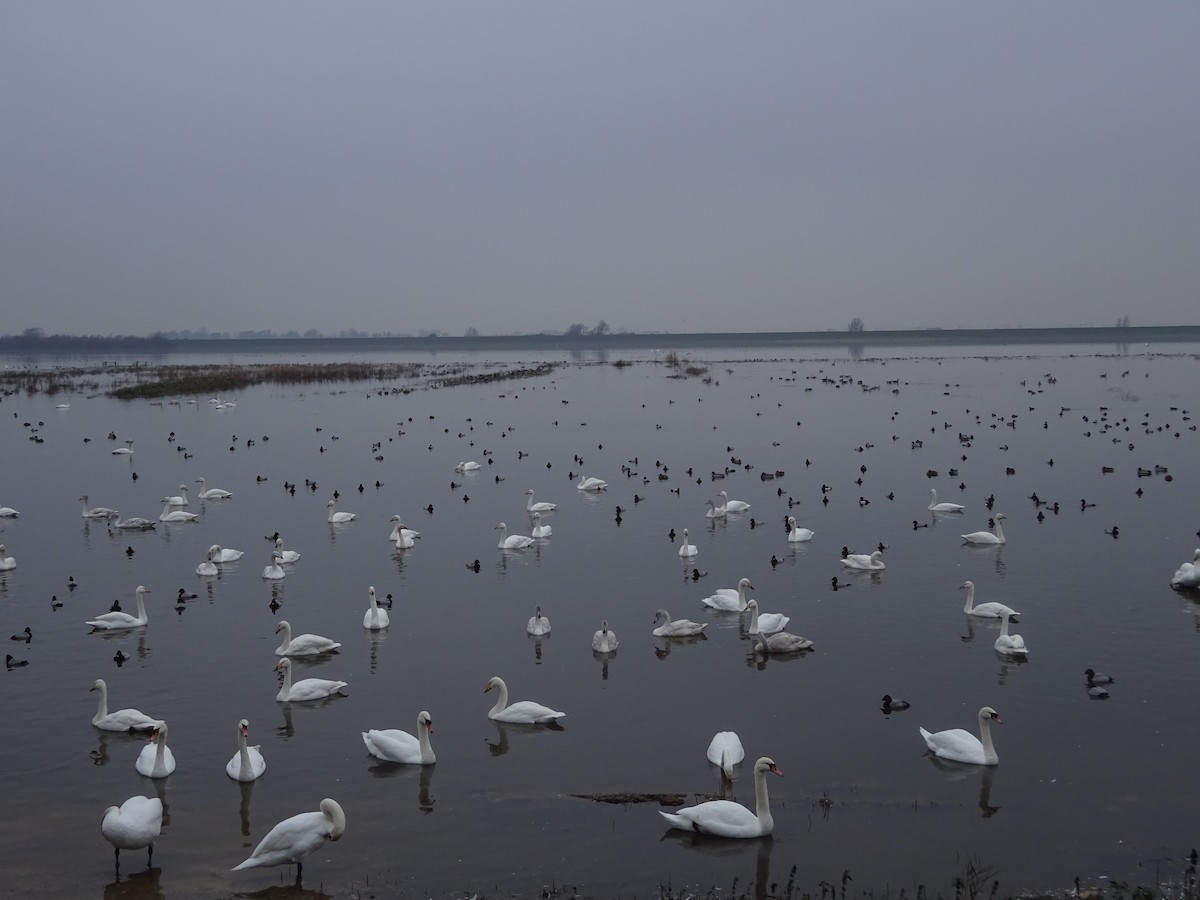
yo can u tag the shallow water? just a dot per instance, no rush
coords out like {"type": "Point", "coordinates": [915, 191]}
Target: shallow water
{"type": "Point", "coordinates": [1110, 784]}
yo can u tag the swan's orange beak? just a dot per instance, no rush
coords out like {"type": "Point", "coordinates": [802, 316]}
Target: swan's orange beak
{"type": "Point", "coordinates": [996, 718]}
{"type": "Point", "coordinates": [429, 727]}
{"type": "Point", "coordinates": [777, 771]}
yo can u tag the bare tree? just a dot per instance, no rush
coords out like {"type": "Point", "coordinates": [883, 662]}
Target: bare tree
{"type": "Point", "coordinates": [601, 328]}
{"type": "Point", "coordinates": [576, 330]}
{"type": "Point", "coordinates": [856, 325]}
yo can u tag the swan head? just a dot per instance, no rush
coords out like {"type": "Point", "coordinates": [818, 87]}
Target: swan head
{"type": "Point", "coordinates": [766, 764]}
{"type": "Point", "coordinates": [142, 589]}
{"type": "Point", "coordinates": [530, 492]}
{"type": "Point", "coordinates": [330, 504]}
{"type": "Point", "coordinates": [501, 527]}
{"type": "Point", "coordinates": [283, 665]}
{"type": "Point", "coordinates": [159, 732]}
{"type": "Point", "coordinates": [752, 604]}
{"type": "Point", "coordinates": [662, 617]}
{"type": "Point", "coordinates": [282, 626]}
{"type": "Point", "coordinates": [425, 721]}
{"type": "Point", "coordinates": [394, 519]}
{"type": "Point", "coordinates": [1000, 517]}
{"type": "Point", "coordinates": [745, 583]}
{"type": "Point", "coordinates": [987, 714]}
{"type": "Point", "coordinates": [604, 626]}
{"type": "Point", "coordinates": [333, 811]}
{"type": "Point", "coordinates": [494, 682]}
{"type": "Point", "coordinates": [98, 685]}
{"type": "Point", "coordinates": [244, 727]}
{"type": "Point", "coordinates": [967, 586]}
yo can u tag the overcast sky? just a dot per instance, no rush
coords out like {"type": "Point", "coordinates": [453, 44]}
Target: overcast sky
{"type": "Point", "coordinates": [668, 166]}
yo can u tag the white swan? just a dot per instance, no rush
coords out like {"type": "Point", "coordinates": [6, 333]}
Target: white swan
{"type": "Point", "coordinates": [133, 825]}
{"type": "Point", "coordinates": [287, 556]}
{"type": "Point", "coordinates": [1010, 644]}
{"type": "Point", "coordinates": [962, 746]}
{"type": "Point", "coordinates": [302, 644]}
{"type": "Point", "coordinates": [7, 563]}
{"type": "Point", "coordinates": [724, 818]}
{"type": "Point", "coordinates": [765, 622]}
{"type": "Point", "coordinates": [989, 610]}
{"type": "Point", "coordinates": [665, 627]}
{"type": "Point", "coordinates": [512, 541]}
{"type": "Point", "coordinates": [127, 450]}
{"type": "Point", "coordinates": [170, 514]}
{"type": "Point", "coordinates": [375, 617]}
{"type": "Point", "coordinates": [179, 499]}
{"type": "Point", "coordinates": [987, 537]}
{"type": "Point", "coordinates": [798, 535]}
{"type": "Point", "coordinates": [128, 720]}
{"type": "Point", "coordinates": [211, 493]}
{"type": "Point", "coordinates": [540, 506]}
{"type": "Point", "coordinates": [781, 642]}
{"type": "Point", "coordinates": [714, 511]}
{"type": "Point", "coordinates": [208, 568]}
{"type": "Point", "coordinates": [338, 517]}
{"type": "Point", "coordinates": [306, 688]}
{"type": "Point", "coordinates": [114, 621]}
{"type": "Point", "coordinates": [523, 712]}
{"type": "Point", "coordinates": [729, 599]}
{"type": "Point", "coordinates": [605, 640]}
{"type": "Point", "coordinates": [538, 624]}
{"type": "Point", "coordinates": [936, 507]}
{"type": "Point", "coordinates": [1186, 576]}
{"type": "Point", "coordinates": [156, 759]}
{"type": "Point", "coordinates": [687, 550]}
{"type": "Point", "coordinates": [7, 512]}
{"type": "Point", "coordinates": [394, 745]}
{"type": "Point", "coordinates": [248, 763]}
{"type": "Point", "coordinates": [402, 536]}
{"type": "Point", "coordinates": [133, 523]}
{"type": "Point", "coordinates": [225, 554]}
{"type": "Point", "coordinates": [725, 750]}
{"type": "Point", "coordinates": [95, 512]}
{"type": "Point", "coordinates": [863, 561]}
{"type": "Point", "coordinates": [274, 571]}
{"type": "Point", "coordinates": [733, 506]}
{"type": "Point", "coordinates": [539, 530]}
{"type": "Point", "coordinates": [591, 483]}
{"type": "Point", "coordinates": [295, 838]}
{"type": "Point", "coordinates": [470, 466]}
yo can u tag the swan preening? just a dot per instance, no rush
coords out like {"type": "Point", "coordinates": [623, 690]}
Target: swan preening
{"type": "Point", "coordinates": [686, 549]}
{"type": "Point", "coordinates": [128, 720]}
{"type": "Point", "coordinates": [133, 825]}
{"type": "Point", "coordinates": [1010, 644]}
{"type": "Point", "coordinates": [295, 838]}
{"type": "Point", "coordinates": [732, 506]}
{"type": "Point", "coordinates": [989, 610]}
{"type": "Point", "coordinates": [523, 712]}
{"type": "Point", "coordinates": [539, 506]}
{"type": "Point", "coordinates": [156, 759]}
{"type": "Point", "coordinates": [665, 627]}
{"type": "Point", "coordinates": [133, 523]}
{"type": "Point", "coordinates": [590, 483]}
{"type": "Point", "coordinates": [604, 640]}
{"type": "Point", "coordinates": [7, 563]}
{"type": "Point", "coordinates": [781, 642]}
{"type": "Point", "coordinates": [959, 745]}
{"type": "Point", "coordinates": [724, 818]}
{"type": "Point", "coordinates": [765, 623]}
{"type": "Point", "coordinates": [725, 750]}
{"type": "Point", "coordinates": [335, 516]}
{"type": "Point", "coordinates": [936, 507]}
{"type": "Point", "coordinates": [174, 514]}
{"type": "Point", "coordinates": [512, 541]}
{"type": "Point", "coordinates": [863, 561]}
{"type": "Point", "coordinates": [538, 624]}
{"type": "Point", "coordinates": [540, 530]}
{"type": "Point", "coordinates": [394, 745]}
{"type": "Point", "coordinates": [113, 621]}
{"type": "Point", "coordinates": [305, 689]}
{"type": "Point", "coordinates": [302, 644]}
{"type": "Point", "coordinates": [375, 618]}
{"type": "Point", "coordinates": [208, 568]}
{"type": "Point", "coordinates": [95, 512]}
{"type": "Point", "coordinates": [1186, 576]}
{"type": "Point", "coordinates": [729, 599]}
{"type": "Point", "coordinates": [798, 535]}
{"type": "Point", "coordinates": [247, 763]}
{"type": "Point", "coordinates": [211, 493]}
{"type": "Point", "coordinates": [285, 556]}
{"type": "Point", "coordinates": [988, 537]}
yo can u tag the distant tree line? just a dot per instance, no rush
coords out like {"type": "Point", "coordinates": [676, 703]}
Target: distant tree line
{"type": "Point", "coordinates": [36, 339]}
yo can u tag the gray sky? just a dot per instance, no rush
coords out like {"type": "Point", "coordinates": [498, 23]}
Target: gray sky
{"type": "Point", "coordinates": [520, 166]}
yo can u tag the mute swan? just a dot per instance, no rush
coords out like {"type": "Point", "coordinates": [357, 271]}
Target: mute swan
{"type": "Point", "coordinates": [1187, 576]}
{"type": "Point", "coordinates": [402, 534]}
{"type": "Point", "coordinates": [523, 712]}
{"type": "Point", "coordinates": [95, 512]}
{"type": "Point", "coordinates": [129, 720]}
{"type": "Point", "coordinates": [394, 745]}
{"type": "Point", "coordinates": [604, 640]}
{"type": "Point", "coordinates": [7, 563]}
{"type": "Point", "coordinates": [1010, 644]}
{"type": "Point", "coordinates": [179, 499]}
{"type": "Point", "coordinates": [127, 450]}
{"type": "Point", "coordinates": [335, 516]}
{"type": "Point", "coordinates": [225, 554]}
{"type": "Point", "coordinates": [540, 530]}
{"type": "Point", "coordinates": [113, 621]}
{"type": "Point", "coordinates": [248, 763]}
{"type": "Point", "coordinates": [724, 818]}
{"type": "Point", "coordinates": [798, 535]}
{"type": "Point", "coordinates": [211, 493]}
{"type": "Point", "coordinates": [512, 541]}
{"type": "Point", "coordinates": [207, 568]}
{"type": "Point", "coordinates": [375, 618]}
{"type": "Point", "coordinates": [987, 537]}
{"type": "Point", "coordinates": [863, 561]}
{"type": "Point", "coordinates": [133, 523]}
{"type": "Point", "coordinates": [295, 838]}
{"type": "Point", "coordinates": [733, 506]}
{"type": "Point", "coordinates": [936, 507]}
{"type": "Point", "coordinates": [175, 515]}
{"type": "Point", "coordinates": [156, 759]}
{"type": "Point", "coordinates": [591, 483]}
{"type": "Point", "coordinates": [306, 688]}
{"type": "Point", "coordinates": [7, 512]}
{"type": "Point", "coordinates": [765, 623]}
{"type": "Point", "coordinates": [725, 750]}
{"type": "Point", "coordinates": [538, 624]}
{"type": "Point", "coordinates": [471, 466]}
{"type": "Point", "coordinates": [714, 511]}
{"type": "Point", "coordinates": [781, 642]}
{"type": "Point", "coordinates": [274, 571]}
{"type": "Point", "coordinates": [665, 627]}
{"type": "Point", "coordinates": [687, 550]}
{"type": "Point", "coordinates": [302, 644]}
{"type": "Point", "coordinates": [133, 825]}
{"type": "Point", "coordinates": [989, 610]}
{"type": "Point", "coordinates": [729, 599]}
{"type": "Point", "coordinates": [287, 556]}
{"type": "Point", "coordinates": [539, 506]}
{"type": "Point", "coordinates": [962, 746]}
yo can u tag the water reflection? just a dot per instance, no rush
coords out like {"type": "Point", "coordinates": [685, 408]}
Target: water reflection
{"type": "Point", "coordinates": [956, 771]}
{"type": "Point", "coordinates": [295, 891]}
{"type": "Point", "coordinates": [536, 640]}
{"type": "Point", "coordinates": [1007, 665]}
{"type": "Point", "coordinates": [138, 886]}
{"type": "Point", "coordinates": [664, 645]}
{"type": "Point", "coordinates": [424, 774]}
{"type": "Point", "coordinates": [247, 790]}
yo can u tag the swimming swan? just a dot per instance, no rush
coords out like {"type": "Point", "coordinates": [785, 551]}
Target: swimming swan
{"type": "Point", "coordinates": [540, 530]}
{"type": "Point", "coordinates": [538, 624]}
{"type": "Point", "coordinates": [338, 517]}
{"type": "Point", "coordinates": [471, 466]}
{"type": "Point", "coordinates": [211, 493]}
{"type": "Point", "coordinates": [156, 759]}
{"type": "Point", "coordinates": [605, 640]}
{"type": "Point", "coordinates": [133, 825]}
{"type": "Point", "coordinates": [724, 818]}
{"type": "Point", "coordinates": [512, 541]}
{"type": "Point", "coordinates": [248, 763]}
{"type": "Point", "coordinates": [1010, 644]}
{"type": "Point", "coordinates": [687, 550]}
{"type": "Point", "coordinates": [1187, 576]}
{"type": "Point", "coordinates": [394, 745]}
{"type": "Point", "coordinates": [225, 554]}
{"type": "Point", "coordinates": [208, 568]}
{"type": "Point", "coordinates": [274, 571]}
{"type": "Point", "coordinates": [375, 618]}
{"type": "Point", "coordinates": [128, 720]}
{"type": "Point", "coordinates": [590, 483]}
{"type": "Point", "coordinates": [863, 561]}
{"type": "Point", "coordinates": [7, 563]}
{"type": "Point", "coordinates": [665, 627]}
{"type": "Point", "coordinates": [302, 644]}
{"type": "Point", "coordinates": [729, 599]}
{"type": "Point", "coordinates": [725, 750]}
{"type": "Point", "coordinates": [936, 507]}
{"type": "Point", "coordinates": [987, 537]}
{"type": "Point", "coordinates": [179, 499]}
{"type": "Point", "coordinates": [305, 689]}
{"type": "Point", "coordinates": [781, 642]}
{"type": "Point", "coordinates": [539, 506]}
{"type": "Point", "coordinates": [798, 535]}
{"type": "Point", "coordinates": [733, 506]}
{"type": "Point", "coordinates": [287, 556]}
{"type": "Point", "coordinates": [402, 536]}
{"type": "Point", "coordinates": [989, 610]}
{"type": "Point", "coordinates": [523, 712]}
{"type": "Point", "coordinates": [765, 623]}
{"type": "Point", "coordinates": [95, 512]}
{"type": "Point", "coordinates": [962, 746]}
{"type": "Point", "coordinates": [175, 515]}
{"type": "Point", "coordinates": [295, 838]}
{"type": "Point", "coordinates": [113, 621]}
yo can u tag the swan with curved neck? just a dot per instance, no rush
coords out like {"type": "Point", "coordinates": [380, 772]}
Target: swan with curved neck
{"type": "Point", "coordinates": [1188, 574]}
{"type": "Point", "coordinates": [733, 506]}
{"type": "Point", "coordinates": [729, 599]}
{"type": "Point", "coordinates": [989, 610]}
{"type": "Point", "coordinates": [988, 537]}
{"type": "Point", "coordinates": [180, 499]}
{"type": "Point", "coordinates": [114, 621]}
{"type": "Point", "coordinates": [591, 483]}
{"type": "Point", "coordinates": [512, 541]}
{"type": "Point", "coordinates": [295, 838]}
{"type": "Point", "coordinates": [402, 536]}
{"type": "Point", "coordinates": [7, 563]}
{"type": "Point", "coordinates": [724, 818]}
{"type": "Point", "coordinates": [129, 719]}
{"type": "Point", "coordinates": [523, 712]}
{"type": "Point", "coordinates": [394, 745]}
{"type": "Point", "coordinates": [539, 530]}
{"type": "Point", "coordinates": [306, 688]}
{"type": "Point", "coordinates": [285, 556]}
{"type": "Point", "coordinates": [959, 745]}
{"type": "Point", "coordinates": [664, 626]}
{"type": "Point", "coordinates": [781, 642]}
{"type": "Point", "coordinates": [936, 507]}
{"type": "Point", "coordinates": [540, 505]}
{"type": "Point", "coordinates": [174, 514]}
{"type": "Point", "coordinates": [133, 825]}
{"type": "Point", "coordinates": [208, 568]}
{"type": "Point", "coordinates": [605, 640]}
{"type": "Point", "coordinates": [798, 535]}
{"type": "Point", "coordinates": [302, 644]}
{"type": "Point", "coordinates": [765, 623]}
{"type": "Point", "coordinates": [337, 517]}
{"type": "Point", "coordinates": [863, 561]}
{"type": "Point", "coordinates": [274, 571]}
{"type": "Point", "coordinates": [714, 511]}
{"type": "Point", "coordinates": [225, 554]}
{"type": "Point", "coordinates": [248, 763]}
{"type": "Point", "coordinates": [1010, 644]}
{"type": "Point", "coordinates": [156, 759]}
{"type": "Point", "coordinates": [375, 618]}
{"type": "Point", "coordinates": [207, 493]}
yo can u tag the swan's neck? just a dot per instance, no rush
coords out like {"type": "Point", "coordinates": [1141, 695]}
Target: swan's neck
{"type": "Point", "coordinates": [501, 700]}
{"type": "Point", "coordinates": [754, 620]}
{"type": "Point", "coordinates": [287, 680]}
{"type": "Point", "coordinates": [970, 599]}
{"type": "Point", "coordinates": [985, 737]}
{"type": "Point", "coordinates": [243, 753]}
{"type": "Point", "coordinates": [287, 633]}
{"type": "Point", "coordinates": [932, 498]}
{"type": "Point", "coordinates": [426, 748]}
{"type": "Point", "coordinates": [762, 806]}
{"type": "Point", "coordinates": [141, 607]}
{"type": "Point", "coordinates": [101, 703]}
{"type": "Point", "coordinates": [160, 752]}
{"type": "Point", "coordinates": [999, 531]}
{"type": "Point", "coordinates": [1003, 633]}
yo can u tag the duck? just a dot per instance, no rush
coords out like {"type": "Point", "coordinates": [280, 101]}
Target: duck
{"type": "Point", "coordinates": [302, 644]}
{"type": "Point", "coordinates": [540, 506]}
{"type": "Point", "coordinates": [156, 759]}
{"type": "Point", "coordinates": [591, 483]}
{"type": "Point", "coordinates": [11, 662]}
{"type": "Point", "coordinates": [798, 535]}
{"type": "Point", "coordinates": [338, 517]}
{"type": "Point", "coordinates": [7, 563]}
{"type": "Point", "coordinates": [959, 745]}
{"type": "Point", "coordinates": [402, 536]}
{"type": "Point", "coordinates": [296, 837]}
{"type": "Point", "coordinates": [988, 537]}
{"type": "Point", "coordinates": [989, 610]}
{"type": "Point", "coordinates": [523, 712]}
{"type": "Point", "coordinates": [781, 642]}
{"type": "Point", "coordinates": [665, 627]}
{"type": "Point", "coordinates": [95, 512]}
{"type": "Point", "coordinates": [936, 507]}
{"type": "Point", "coordinates": [114, 621]}
{"type": "Point", "coordinates": [1010, 644]}
{"type": "Point", "coordinates": [539, 530]}
{"type": "Point", "coordinates": [212, 493]}
{"type": "Point", "coordinates": [512, 541]}
{"type": "Point", "coordinates": [892, 704]}
{"type": "Point", "coordinates": [1186, 576]}
{"type": "Point", "coordinates": [538, 624]}
{"type": "Point", "coordinates": [170, 514]}
{"type": "Point", "coordinates": [285, 556]}
{"type": "Point", "coordinates": [725, 750]}
{"type": "Point", "coordinates": [732, 506]}
{"type": "Point", "coordinates": [307, 688]}
{"type": "Point", "coordinates": [247, 764]}
{"type": "Point", "coordinates": [765, 623]}
{"type": "Point", "coordinates": [1094, 677]}
{"type": "Point", "coordinates": [131, 721]}
{"type": "Point", "coordinates": [725, 818]}
{"type": "Point", "coordinates": [133, 825]}
{"type": "Point", "coordinates": [274, 571]}
{"type": "Point", "coordinates": [376, 618]}
{"type": "Point", "coordinates": [26, 635]}
{"type": "Point", "coordinates": [605, 640]}
{"type": "Point", "coordinates": [394, 745]}
{"type": "Point", "coordinates": [863, 561]}
{"type": "Point", "coordinates": [225, 554]}
{"type": "Point", "coordinates": [729, 599]}
{"type": "Point", "coordinates": [179, 499]}
{"type": "Point", "coordinates": [686, 549]}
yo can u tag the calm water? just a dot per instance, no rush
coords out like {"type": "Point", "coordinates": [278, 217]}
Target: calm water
{"type": "Point", "coordinates": [1111, 785]}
